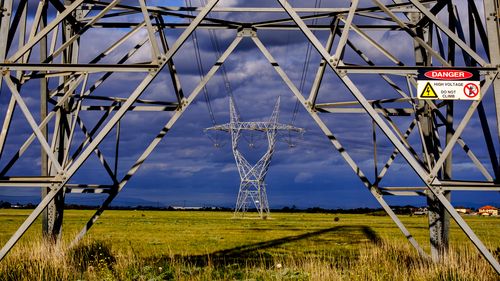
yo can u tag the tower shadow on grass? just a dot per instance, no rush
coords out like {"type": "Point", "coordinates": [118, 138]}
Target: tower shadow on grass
{"type": "Point", "coordinates": [252, 253]}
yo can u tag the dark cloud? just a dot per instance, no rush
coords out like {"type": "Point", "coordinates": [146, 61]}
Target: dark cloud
{"type": "Point", "coordinates": [185, 166]}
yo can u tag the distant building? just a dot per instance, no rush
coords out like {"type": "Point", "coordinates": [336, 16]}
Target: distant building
{"type": "Point", "coordinates": [463, 210]}
{"type": "Point", "coordinates": [420, 211]}
{"type": "Point", "coordinates": [186, 208]}
{"type": "Point", "coordinates": [488, 211]}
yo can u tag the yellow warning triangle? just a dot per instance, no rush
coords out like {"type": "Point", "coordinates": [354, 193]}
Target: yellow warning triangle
{"type": "Point", "coordinates": [428, 92]}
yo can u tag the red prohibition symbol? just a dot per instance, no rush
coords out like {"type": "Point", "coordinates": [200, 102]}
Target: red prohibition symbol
{"type": "Point", "coordinates": [471, 90]}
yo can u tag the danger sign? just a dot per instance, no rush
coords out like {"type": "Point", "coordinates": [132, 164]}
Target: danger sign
{"type": "Point", "coordinates": [448, 84]}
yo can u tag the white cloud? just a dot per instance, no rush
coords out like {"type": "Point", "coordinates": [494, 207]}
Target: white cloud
{"type": "Point", "coordinates": [229, 168]}
{"type": "Point", "coordinates": [303, 177]}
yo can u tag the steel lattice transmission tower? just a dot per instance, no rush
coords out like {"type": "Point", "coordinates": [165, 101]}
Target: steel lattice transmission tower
{"type": "Point", "coordinates": [70, 57]}
{"type": "Point", "coordinates": [252, 190]}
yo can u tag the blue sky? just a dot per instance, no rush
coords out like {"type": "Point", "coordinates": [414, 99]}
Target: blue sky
{"type": "Point", "coordinates": [186, 168]}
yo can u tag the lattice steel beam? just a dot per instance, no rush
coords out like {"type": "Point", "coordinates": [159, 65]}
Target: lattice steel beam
{"type": "Point", "coordinates": [71, 84]}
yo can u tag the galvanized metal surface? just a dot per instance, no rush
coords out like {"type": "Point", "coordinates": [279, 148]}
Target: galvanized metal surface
{"type": "Point", "coordinates": [58, 28]}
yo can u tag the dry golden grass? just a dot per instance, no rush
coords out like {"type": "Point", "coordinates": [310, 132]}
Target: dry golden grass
{"type": "Point", "coordinates": [95, 260]}
{"type": "Point", "coordinates": [209, 246]}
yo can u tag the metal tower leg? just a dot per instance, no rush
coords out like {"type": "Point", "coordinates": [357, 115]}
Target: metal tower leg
{"type": "Point", "coordinates": [47, 214]}
{"type": "Point", "coordinates": [438, 228]}
{"type": "Point", "coordinates": [492, 10]}
{"type": "Point", "coordinates": [438, 218]}
{"type": "Point", "coordinates": [264, 202]}
{"type": "Point", "coordinates": [241, 198]}
{"type": "Point", "coordinates": [52, 216]}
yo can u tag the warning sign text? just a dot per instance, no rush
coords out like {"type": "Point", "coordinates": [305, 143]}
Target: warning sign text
{"type": "Point", "coordinates": [446, 84]}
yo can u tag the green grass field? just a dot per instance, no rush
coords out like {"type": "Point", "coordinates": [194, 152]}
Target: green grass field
{"type": "Point", "coordinates": [159, 245]}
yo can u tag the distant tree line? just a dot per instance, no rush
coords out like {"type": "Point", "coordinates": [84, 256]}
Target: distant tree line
{"type": "Point", "coordinates": [4, 205]}
{"type": "Point", "coordinates": [8, 205]}
{"type": "Point", "coordinates": [399, 210]}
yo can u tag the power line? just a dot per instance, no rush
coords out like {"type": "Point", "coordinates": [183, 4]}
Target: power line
{"type": "Point", "coordinates": [214, 40]}
{"type": "Point", "coordinates": [201, 71]}
{"type": "Point", "coordinates": [305, 68]}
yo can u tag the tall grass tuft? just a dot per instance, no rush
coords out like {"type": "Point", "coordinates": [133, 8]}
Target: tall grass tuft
{"type": "Point", "coordinates": [35, 262]}
{"type": "Point", "coordinates": [96, 254]}
{"type": "Point", "coordinates": [97, 260]}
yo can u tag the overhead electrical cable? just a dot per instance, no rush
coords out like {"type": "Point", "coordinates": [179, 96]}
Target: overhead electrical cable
{"type": "Point", "coordinates": [214, 40]}
{"type": "Point", "coordinates": [305, 68]}
{"type": "Point", "coordinates": [201, 71]}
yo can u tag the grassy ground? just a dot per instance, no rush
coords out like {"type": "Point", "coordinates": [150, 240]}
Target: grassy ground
{"type": "Point", "coordinates": [151, 245]}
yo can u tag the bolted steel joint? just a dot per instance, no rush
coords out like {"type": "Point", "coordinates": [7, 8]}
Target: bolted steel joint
{"type": "Point", "coordinates": [4, 12]}
{"type": "Point", "coordinates": [438, 190]}
{"type": "Point", "coordinates": [247, 32]}
{"type": "Point", "coordinates": [163, 58]}
{"type": "Point", "coordinates": [52, 186]}
{"type": "Point", "coordinates": [61, 176]}
{"type": "Point", "coordinates": [183, 104]}
{"type": "Point", "coordinates": [310, 106]}
{"type": "Point", "coordinates": [429, 180]}
{"type": "Point", "coordinates": [334, 60]}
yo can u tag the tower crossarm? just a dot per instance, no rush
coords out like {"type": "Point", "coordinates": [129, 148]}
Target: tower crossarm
{"type": "Point", "coordinates": [255, 126]}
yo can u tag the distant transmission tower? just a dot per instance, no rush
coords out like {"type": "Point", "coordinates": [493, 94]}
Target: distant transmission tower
{"type": "Point", "coordinates": [252, 186]}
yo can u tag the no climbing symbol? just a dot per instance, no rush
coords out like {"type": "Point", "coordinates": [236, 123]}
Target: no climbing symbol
{"type": "Point", "coordinates": [428, 92]}
{"type": "Point", "coordinates": [471, 90]}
